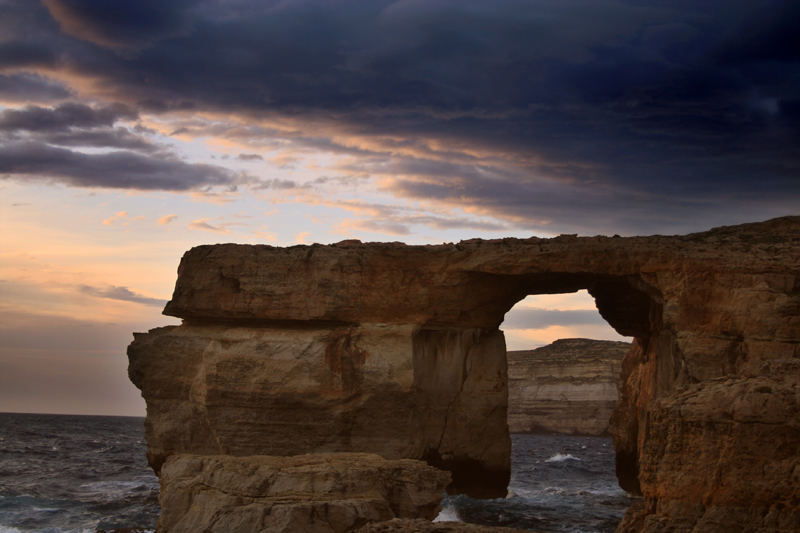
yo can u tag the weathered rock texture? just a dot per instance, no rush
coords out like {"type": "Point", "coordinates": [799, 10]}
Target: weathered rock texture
{"type": "Point", "coordinates": [284, 389]}
{"type": "Point", "coordinates": [569, 386]}
{"type": "Point", "coordinates": [394, 350]}
{"type": "Point", "coordinates": [310, 493]}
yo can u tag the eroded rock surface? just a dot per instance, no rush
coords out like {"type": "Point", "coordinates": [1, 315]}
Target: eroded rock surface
{"type": "Point", "coordinates": [318, 493]}
{"type": "Point", "coordinates": [394, 350]}
{"type": "Point", "coordinates": [569, 386]}
{"type": "Point", "coordinates": [387, 389]}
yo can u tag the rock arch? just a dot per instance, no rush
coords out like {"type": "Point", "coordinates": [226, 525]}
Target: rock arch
{"type": "Point", "coordinates": [395, 350]}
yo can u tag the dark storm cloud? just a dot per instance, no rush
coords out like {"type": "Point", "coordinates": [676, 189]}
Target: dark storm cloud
{"type": "Point", "coordinates": [123, 25]}
{"type": "Point", "coordinates": [106, 138]}
{"type": "Point", "coordinates": [114, 292]}
{"type": "Point", "coordinates": [249, 157]}
{"type": "Point", "coordinates": [687, 109]}
{"type": "Point", "coordinates": [72, 124]}
{"type": "Point", "coordinates": [542, 318]}
{"type": "Point", "coordinates": [31, 87]}
{"type": "Point", "coordinates": [121, 169]}
{"type": "Point", "coordinates": [63, 117]}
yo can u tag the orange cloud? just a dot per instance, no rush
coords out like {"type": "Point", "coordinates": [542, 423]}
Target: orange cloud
{"type": "Point", "coordinates": [202, 224]}
{"type": "Point", "coordinates": [115, 217]}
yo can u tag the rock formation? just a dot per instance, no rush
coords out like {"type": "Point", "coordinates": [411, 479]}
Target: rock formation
{"type": "Point", "coordinates": [319, 492]}
{"type": "Point", "coordinates": [569, 386]}
{"type": "Point", "coordinates": [395, 350]}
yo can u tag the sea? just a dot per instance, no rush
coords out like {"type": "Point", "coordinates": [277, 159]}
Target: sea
{"type": "Point", "coordinates": [65, 473]}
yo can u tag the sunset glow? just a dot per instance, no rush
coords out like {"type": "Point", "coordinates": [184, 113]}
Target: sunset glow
{"type": "Point", "coordinates": [129, 135]}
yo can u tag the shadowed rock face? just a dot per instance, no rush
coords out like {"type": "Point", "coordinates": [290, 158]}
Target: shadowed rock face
{"type": "Point", "coordinates": [394, 350]}
{"type": "Point", "coordinates": [570, 386]}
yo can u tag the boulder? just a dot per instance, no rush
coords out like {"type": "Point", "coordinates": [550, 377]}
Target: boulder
{"type": "Point", "coordinates": [318, 493]}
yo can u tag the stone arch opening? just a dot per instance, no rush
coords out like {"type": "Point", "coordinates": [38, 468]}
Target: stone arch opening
{"type": "Point", "coordinates": [564, 365]}
{"type": "Point", "coordinates": [549, 462]}
{"type": "Point", "coordinates": [452, 365]}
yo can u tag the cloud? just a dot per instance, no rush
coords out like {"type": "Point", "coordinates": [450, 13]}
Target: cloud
{"type": "Point", "coordinates": [377, 226]}
{"type": "Point", "coordinates": [398, 220]}
{"type": "Point", "coordinates": [72, 124]}
{"type": "Point", "coordinates": [276, 184]}
{"type": "Point", "coordinates": [34, 161]}
{"type": "Point", "coordinates": [130, 25]}
{"type": "Point", "coordinates": [116, 216]}
{"type": "Point", "coordinates": [202, 224]}
{"type": "Point", "coordinates": [532, 318]}
{"type": "Point", "coordinates": [63, 117]}
{"type": "Point", "coordinates": [686, 111]}
{"type": "Point", "coordinates": [402, 225]}
{"type": "Point", "coordinates": [526, 339]}
{"type": "Point", "coordinates": [106, 138]}
{"type": "Point", "coordinates": [166, 219]}
{"type": "Point", "coordinates": [25, 87]}
{"type": "Point", "coordinates": [249, 157]}
{"type": "Point", "coordinates": [124, 294]}
{"type": "Point", "coordinates": [265, 236]}
{"type": "Point", "coordinates": [301, 237]}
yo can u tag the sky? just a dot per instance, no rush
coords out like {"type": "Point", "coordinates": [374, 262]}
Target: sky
{"type": "Point", "coordinates": [131, 131]}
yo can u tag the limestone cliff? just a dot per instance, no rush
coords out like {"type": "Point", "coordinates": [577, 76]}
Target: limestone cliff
{"type": "Point", "coordinates": [569, 386]}
{"type": "Point", "coordinates": [395, 350]}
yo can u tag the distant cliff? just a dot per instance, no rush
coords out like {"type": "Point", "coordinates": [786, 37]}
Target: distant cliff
{"type": "Point", "coordinates": [570, 386]}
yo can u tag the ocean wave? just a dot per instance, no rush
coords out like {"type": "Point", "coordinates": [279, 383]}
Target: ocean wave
{"type": "Point", "coordinates": [447, 514]}
{"type": "Point", "coordinates": [560, 457]}
{"type": "Point", "coordinates": [10, 529]}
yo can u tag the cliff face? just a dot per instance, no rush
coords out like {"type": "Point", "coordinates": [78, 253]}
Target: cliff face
{"type": "Point", "coordinates": [394, 350]}
{"type": "Point", "coordinates": [569, 386]}
{"type": "Point", "coordinates": [267, 389]}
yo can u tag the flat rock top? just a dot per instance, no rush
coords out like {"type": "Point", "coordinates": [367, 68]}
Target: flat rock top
{"type": "Point", "coordinates": [472, 283]}
{"type": "Point", "coordinates": [570, 351]}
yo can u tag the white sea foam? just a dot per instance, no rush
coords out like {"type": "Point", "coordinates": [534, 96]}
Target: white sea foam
{"type": "Point", "coordinates": [112, 486]}
{"type": "Point", "coordinates": [9, 529]}
{"type": "Point", "coordinates": [447, 514]}
{"type": "Point", "coordinates": [559, 457]}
